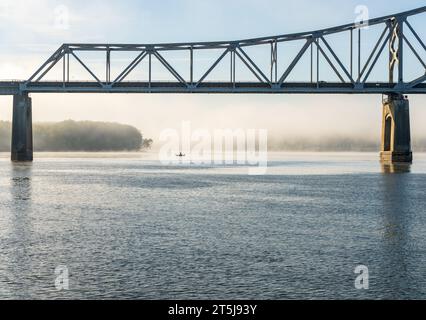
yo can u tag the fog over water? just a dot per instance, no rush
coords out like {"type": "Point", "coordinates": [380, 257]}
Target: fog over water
{"type": "Point", "coordinates": [288, 118]}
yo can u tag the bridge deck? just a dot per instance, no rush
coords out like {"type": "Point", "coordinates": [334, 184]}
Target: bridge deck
{"type": "Point", "coordinates": [15, 87]}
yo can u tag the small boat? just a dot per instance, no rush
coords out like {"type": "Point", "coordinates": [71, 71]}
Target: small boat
{"type": "Point", "coordinates": [180, 155]}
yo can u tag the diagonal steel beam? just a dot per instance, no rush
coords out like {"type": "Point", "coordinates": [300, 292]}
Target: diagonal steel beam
{"type": "Point", "coordinates": [329, 62]}
{"type": "Point", "coordinates": [338, 60]}
{"type": "Point", "coordinates": [87, 69]}
{"type": "Point", "coordinates": [130, 67]}
{"type": "Point", "coordinates": [374, 52]}
{"type": "Point", "coordinates": [249, 67]}
{"type": "Point", "coordinates": [376, 58]}
{"type": "Point", "coordinates": [212, 67]}
{"type": "Point", "coordinates": [50, 67]}
{"type": "Point", "coordinates": [415, 34]}
{"type": "Point", "coordinates": [169, 67]}
{"type": "Point", "coordinates": [53, 59]}
{"type": "Point", "coordinates": [414, 51]}
{"type": "Point", "coordinates": [295, 61]}
{"type": "Point", "coordinates": [417, 81]}
{"type": "Point", "coordinates": [253, 64]}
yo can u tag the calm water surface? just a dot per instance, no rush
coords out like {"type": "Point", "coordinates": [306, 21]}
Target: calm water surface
{"type": "Point", "coordinates": [128, 227]}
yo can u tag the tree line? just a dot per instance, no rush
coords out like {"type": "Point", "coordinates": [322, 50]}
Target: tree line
{"type": "Point", "coordinates": [80, 136]}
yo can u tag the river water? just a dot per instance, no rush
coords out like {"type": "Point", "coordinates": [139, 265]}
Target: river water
{"type": "Point", "coordinates": [125, 226]}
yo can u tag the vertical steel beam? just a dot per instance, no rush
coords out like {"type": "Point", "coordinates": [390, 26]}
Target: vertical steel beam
{"type": "Point", "coordinates": [318, 61]}
{"type": "Point", "coordinates": [68, 67]}
{"type": "Point", "coordinates": [150, 69]}
{"type": "Point", "coordinates": [312, 63]}
{"type": "Point", "coordinates": [274, 61]}
{"type": "Point", "coordinates": [108, 66]}
{"type": "Point", "coordinates": [359, 54]}
{"type": "Point", "coordinates": [352, 53]}
{"type": "Point", "coordinates": [232, 57]}
{"type": "Point", "coordinates": [64, 70]}
{"type": "Point", "coordinates": [191, 68]}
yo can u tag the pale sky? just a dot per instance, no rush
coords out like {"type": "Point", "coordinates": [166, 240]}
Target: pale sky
{"type": "Point", "coordinates": [31, 30]}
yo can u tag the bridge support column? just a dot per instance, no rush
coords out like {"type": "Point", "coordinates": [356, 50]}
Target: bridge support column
{"type": "Point", "coordinates": [22, 128]}
{"type": "Point", "coordinates": [396, 137]}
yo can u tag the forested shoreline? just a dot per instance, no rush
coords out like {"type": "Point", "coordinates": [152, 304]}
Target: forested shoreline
{"type": "Point", "coordinates": [92, 136]}
{"type": "Point", "coordinates": [79, 136]}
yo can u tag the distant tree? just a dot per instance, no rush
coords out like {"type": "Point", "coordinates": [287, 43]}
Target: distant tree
{"type": "Point", "coordinates": [147, 143]}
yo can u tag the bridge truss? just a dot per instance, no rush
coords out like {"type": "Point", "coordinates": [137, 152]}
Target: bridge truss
{"type": "Point", "coordinates": [349, 72]}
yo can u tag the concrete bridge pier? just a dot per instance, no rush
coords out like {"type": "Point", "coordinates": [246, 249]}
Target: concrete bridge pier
{"type": "Point", "coordinates": [396, 137]}
{"type": "Point", "coordinates": [22, 128]}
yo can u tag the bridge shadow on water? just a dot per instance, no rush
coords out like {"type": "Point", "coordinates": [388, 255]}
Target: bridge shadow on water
{"type": "Point", "coordinates": [397, 254]}
{"type": "Point", "coordinates": [21, 260]}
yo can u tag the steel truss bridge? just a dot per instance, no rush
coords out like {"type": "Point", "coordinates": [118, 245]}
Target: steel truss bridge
{"type": "Point", "coordinates": [353, 68]}
{"type": "Point", "coordinates": [351, 71]}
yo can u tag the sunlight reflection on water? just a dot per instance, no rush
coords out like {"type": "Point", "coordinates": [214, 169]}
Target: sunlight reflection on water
{"type": "Point", "coordinates": [128, 227]}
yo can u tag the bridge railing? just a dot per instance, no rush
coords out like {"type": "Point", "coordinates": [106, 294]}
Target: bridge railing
{"type": "Point", "coordinates": [311, 51]}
